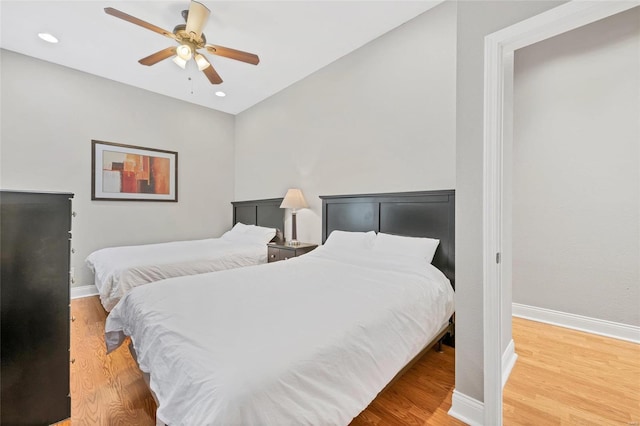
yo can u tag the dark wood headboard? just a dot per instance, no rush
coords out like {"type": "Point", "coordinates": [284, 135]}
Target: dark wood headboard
{"type": "Point", "coordinates": [260, 212]}
{"type": "Point", "coordinates": [413, 214]}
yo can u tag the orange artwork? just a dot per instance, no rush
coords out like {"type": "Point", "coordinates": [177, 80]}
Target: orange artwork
{"type": "Point", "coordinates": [135, 174]}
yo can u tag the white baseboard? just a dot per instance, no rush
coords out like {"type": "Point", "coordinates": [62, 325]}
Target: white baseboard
{"type": "Point", "coordinates": [83, 291]}
{"type": "Point", "coordinates": [466, 409]}
{"type": "Point", "coordinates": [509, 357]}
{"type": "Point", "coordinates": [600, 327]}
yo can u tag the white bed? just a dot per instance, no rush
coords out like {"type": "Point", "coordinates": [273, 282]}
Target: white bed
{"type": "Point", "coordinates": [117, 270]}
{"type": "Point", "coordinates": [311, 340]}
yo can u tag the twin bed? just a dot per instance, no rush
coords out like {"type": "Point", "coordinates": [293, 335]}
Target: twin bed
{"type": "Point", "coordinates": [310, 340]}
{"type": "Point", "coordinates": [117, 270]}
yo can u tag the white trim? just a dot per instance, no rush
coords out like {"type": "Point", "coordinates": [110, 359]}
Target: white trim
{"type": "Point", "coordinates": [499, 45]}
{"type": "Point", "coordinates": [492, 220]}
{"type": "Point", "coordinates": [509, 357]}
{"type": "Point", "coordinates": [616, 330]}
{"type": "Point", "coordinates": [83, 291]}
{"type": "Point", "coordinates": [466, 409]}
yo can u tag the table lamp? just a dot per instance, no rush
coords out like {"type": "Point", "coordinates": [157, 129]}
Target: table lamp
{"type": "Point", "coordinates": [294, 200]}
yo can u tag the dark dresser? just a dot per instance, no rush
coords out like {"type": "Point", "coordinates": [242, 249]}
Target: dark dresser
{"type": "Point", "coordinates": [34, 307]}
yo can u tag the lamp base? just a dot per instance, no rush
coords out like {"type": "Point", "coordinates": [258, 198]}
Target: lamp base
{"type": "Point", "coordinates": [294, 233]}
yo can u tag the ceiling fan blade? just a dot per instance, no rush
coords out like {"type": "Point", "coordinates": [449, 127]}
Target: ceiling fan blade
{"type": "Point", "coordinates": [118, 14]}
{"type": "Point", "coordinates": [158, 56]}
{"type": "Point", "coordinates": [238, 55]}
{"type": "Point", "coordinates": [212, 75]}
{"type": "Point", "coordinates": [198, 15]}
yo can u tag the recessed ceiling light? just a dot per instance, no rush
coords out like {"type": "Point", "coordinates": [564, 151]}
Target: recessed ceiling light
{"type": "Point", "coordinates": [221, 94]}
{"type": "Point", "coordinates": [48, 37]}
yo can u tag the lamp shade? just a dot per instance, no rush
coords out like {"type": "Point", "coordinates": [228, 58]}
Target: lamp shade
{"type": "Point", "coordinates": [294, 200]}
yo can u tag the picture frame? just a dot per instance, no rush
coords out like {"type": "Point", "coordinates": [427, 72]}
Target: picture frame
{"type": "Point", "coordinates": [122, 172]}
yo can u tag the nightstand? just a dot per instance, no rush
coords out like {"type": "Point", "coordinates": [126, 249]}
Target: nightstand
{"type": "Point", "coordinates": [285, 251]}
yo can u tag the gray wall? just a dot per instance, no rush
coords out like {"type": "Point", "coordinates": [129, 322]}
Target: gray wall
{"type": "Point", "coordinates": [379, 119]}
{"type": "Point", "coordinates": [475, 21]}
{"type": "Point", "coordinates": [576, 210]}
{"type": "Point", "coordinates": [51, 113]}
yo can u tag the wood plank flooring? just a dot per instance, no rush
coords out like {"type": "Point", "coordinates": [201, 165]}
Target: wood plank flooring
{"type": "Point", "coordinates": [553, 381]}
{"type": "Point", "coordinates": [105, 389]}
{"type": "Point", "coordinates": [567, 377]}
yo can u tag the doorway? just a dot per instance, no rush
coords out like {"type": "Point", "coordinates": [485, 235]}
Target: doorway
{"type": "Point", "coordinates": [499, 61]}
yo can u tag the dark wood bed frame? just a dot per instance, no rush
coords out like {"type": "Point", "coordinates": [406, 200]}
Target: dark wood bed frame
{"type": "Point", "coordinates": [412, 214]}
{"type": "Point", "coordinates": [265, 212]}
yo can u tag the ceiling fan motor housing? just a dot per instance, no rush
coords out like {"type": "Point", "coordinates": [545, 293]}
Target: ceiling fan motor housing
{"type": "Point", "coordinates": [180, 31]}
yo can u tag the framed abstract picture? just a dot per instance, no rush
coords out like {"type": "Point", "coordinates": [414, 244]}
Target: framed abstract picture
{"type": "Point", "coordinates": [133, 173]}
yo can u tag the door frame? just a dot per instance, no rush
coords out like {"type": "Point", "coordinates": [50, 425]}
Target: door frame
{"type": "Point", "coordinates": [499, 48]}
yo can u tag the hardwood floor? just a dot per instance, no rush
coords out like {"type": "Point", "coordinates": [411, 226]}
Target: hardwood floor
{"type": "Point", "coordinates": [567, 377]}
{"type": "Point", "coordinates": [561, 377]}
{"type": "Point", "coordinates": [105, 389]}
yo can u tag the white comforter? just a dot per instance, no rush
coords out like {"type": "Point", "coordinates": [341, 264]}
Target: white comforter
{"type": "Point", "coordinates": [310, 340]}
{"type": "Point", "coordinates": [119, 269]}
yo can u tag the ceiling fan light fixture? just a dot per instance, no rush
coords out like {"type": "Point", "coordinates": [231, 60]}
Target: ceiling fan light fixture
{"type": "Point", "coordinates": [180, 62]}
{"type": "Point", "coordinates": [202, 62]}
{"type": "Point", "coordinates": [184, 52]}
{"type": "Point", "coordinates": [220, 94]}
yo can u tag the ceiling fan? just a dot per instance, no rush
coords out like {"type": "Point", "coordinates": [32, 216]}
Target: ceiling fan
{"type": "Point", "coordinates": [190, 38]}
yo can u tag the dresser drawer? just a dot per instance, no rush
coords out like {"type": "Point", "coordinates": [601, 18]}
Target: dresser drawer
{"type": "Point", "coordinates": [273, 254]}
{"type": "Point", "coordinates": [287, 254]}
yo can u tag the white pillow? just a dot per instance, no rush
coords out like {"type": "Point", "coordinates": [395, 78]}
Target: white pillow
{"type": "Point", "coordinates": [350, 240]}
{"type": "Point", "coordinates": [408, 246]}
{"type": "Point", "coordinates": [242, 233]}
{"type": "Point", "coordinates": [238, 229]}
{"type": "Point", "coordinates": [260, 233]}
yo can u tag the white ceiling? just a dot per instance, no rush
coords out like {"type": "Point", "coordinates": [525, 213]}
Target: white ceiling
{"type": "Point", "coordinates": [292, 38]}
